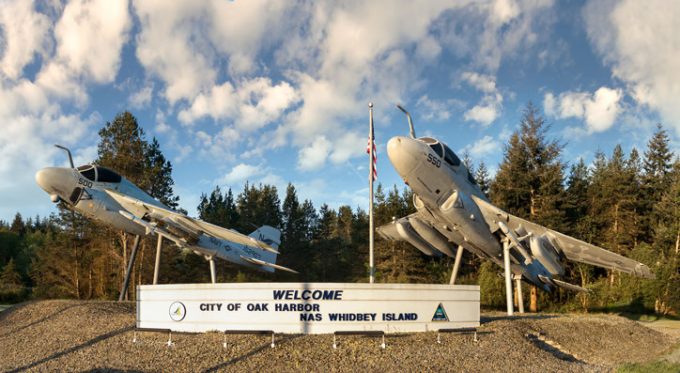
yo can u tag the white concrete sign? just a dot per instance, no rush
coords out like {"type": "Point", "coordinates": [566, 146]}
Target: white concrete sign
{"type": "Point", "coordinates": [309, 308]}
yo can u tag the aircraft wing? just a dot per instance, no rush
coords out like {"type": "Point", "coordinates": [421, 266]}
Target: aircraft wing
{"type": "Point", "coordinates": [571, 248]}
{"type": "Point", "coordinates": [166, 217]}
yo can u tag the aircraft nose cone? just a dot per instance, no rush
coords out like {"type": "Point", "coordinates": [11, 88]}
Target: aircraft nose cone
{"type": "Point", "coordinates": [403, 153]}
{"type": "Point", "coordinates": [57, 182]}
{"type": "Point", "coordinates": [45, 177]}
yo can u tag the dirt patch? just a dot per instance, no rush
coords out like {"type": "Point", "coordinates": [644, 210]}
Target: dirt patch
{"type": "Point", "coordinates": [71, 335]}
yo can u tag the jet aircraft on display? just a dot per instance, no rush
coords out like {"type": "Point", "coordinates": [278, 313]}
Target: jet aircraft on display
{"type": "Point", "coordinates": [103, 195]}
{"type": "Point", "coordinates": [454, 215]}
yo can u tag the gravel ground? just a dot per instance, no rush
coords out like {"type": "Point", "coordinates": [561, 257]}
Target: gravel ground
{"type": "Point", "coordinates": [98, 336]}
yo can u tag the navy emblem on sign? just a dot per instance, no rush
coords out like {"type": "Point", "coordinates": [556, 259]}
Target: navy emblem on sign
{"type": "Point", "coordinates": [177, 311]}
{"type": "Point", "coordinates": [440, 314]}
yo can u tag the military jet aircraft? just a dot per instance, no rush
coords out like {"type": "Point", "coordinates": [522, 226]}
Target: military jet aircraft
{"type": "Point", "coordinates": [103, 195]}
{"type": "Point", "coordinates": [454, 215]}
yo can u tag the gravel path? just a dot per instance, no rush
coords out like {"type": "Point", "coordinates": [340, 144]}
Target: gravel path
{"type": "Point", "coordinates": [97, 336]}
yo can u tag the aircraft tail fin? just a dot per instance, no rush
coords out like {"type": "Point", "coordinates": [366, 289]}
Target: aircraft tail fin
{"type": "Point", "coordinates": [272, 237]}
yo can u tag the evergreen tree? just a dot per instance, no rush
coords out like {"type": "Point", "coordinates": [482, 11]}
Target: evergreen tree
{"type": "Point", "coordinates": [667, 246]}
{"type": "Point", "coordinates": [10, 276]}
{"type": "Point", "coordinates": [158, 175]}
{"type": "Point", "coordinates": [529, 180]}
{"type": "Point", "coordinates": [655, 179]}
{"type": "Point", "coordinates": [18, 226]}
{"type": "Point", "coordinates": [482, 178]}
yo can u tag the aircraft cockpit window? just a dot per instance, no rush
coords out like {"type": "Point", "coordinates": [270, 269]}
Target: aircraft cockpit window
{"type": "Point", "coordinates": [87, 171]}
{"type": "Point", "coordinates": [450, 157]}
{"type": "Point", "coordinates": [437, 147]}
{"type": "Point", "coordinates": [104, 175]}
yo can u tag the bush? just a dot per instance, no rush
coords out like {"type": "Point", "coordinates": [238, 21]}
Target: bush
{"type": "Point", "coordinates": [13, 293]}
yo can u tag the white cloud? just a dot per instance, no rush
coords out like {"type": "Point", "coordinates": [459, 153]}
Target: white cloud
{"type": "Point", "coordinates": [491, 104]}
{"type": "Point", "coordinates": [437, 110]}
{"type": "Point", "coordinates": [639, 40]}
{"type": "Point", "coordinates": [486, 32]}
{"type": "Point", "coordinates": [251, 105]}
{"type": "Point", "coordinates": [314, 156]}
{"type": "Point", "coordinates": [185, 43]}
{"type": "Point", "coordinates": [481, 82]}
{"type": "Point", "coordinates": [483, 147]}
{"type": "Point", "coordinates": [487, 111]}
{"type": "Point", "coordinates": [142, 97]}
{"type": "Point", "coordinates": [24, 34]}
{"type": "Point", "coordinates": [347, 146]}
{"type": "Point", "coordinates": [90, 35]}
{"type": "Point", "coordinates": [598, 110]}
{"type": "Point", "coordinates": [240, 173]}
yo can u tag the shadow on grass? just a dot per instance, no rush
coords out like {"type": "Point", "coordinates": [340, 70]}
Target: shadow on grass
{"type": "Point", "coordinates": [488, 318]}
{"type": "Point", "coordinates": [20, 306]}
{"type": "Point", "coordinates": [250, 353]}
{"type": "Point", "coordinates": [74, 348]}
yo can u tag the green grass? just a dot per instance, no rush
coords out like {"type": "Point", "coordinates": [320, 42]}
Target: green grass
{"type": "Point", "coordinates": [658, 366]}
{"type": "Point", "coordinates": [4, 307]}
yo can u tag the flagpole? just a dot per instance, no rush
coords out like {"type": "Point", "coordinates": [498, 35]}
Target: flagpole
{"type": "Point", "coordinates": [371, 171]}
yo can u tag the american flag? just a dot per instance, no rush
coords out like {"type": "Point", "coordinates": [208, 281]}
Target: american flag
{"type": "Point", "coordinates": [371, 142]}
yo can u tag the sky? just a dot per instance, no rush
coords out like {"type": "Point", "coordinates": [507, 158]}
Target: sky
{"type": "Point", "coordinates": [278, 91]}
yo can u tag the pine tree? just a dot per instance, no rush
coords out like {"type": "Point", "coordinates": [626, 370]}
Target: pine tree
{"type": "Point", "coordinates": [655, 179]}
{"type": "Point", "coordinates": [158, 175]}
{"type": "Point", "coordinates": [667, 246]}
{"type": "Point", "coordinates": [482, 178]}
{"type": "Point", "coordinates": [529, 182]}
{"type": "Point", "coordinates": [18, 226]}
{"type": "Point", "coordinates": [10, 278]}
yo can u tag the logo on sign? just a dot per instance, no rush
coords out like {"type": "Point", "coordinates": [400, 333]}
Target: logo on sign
{"type": "Point", "coordinates": [440, 314]}
{"type": "Point", "coordinates": [177, 311]}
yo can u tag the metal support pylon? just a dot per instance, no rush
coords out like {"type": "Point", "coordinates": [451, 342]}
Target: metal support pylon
{"type": "Point", "coordinates": [508, 275]}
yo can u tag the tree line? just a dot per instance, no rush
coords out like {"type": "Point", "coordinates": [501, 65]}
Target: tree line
{"type": "Point", "coordinates": [626, 203]}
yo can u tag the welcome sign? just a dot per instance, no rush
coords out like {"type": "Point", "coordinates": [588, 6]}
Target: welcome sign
{"type": "Point", "coordinates": [308, 308]}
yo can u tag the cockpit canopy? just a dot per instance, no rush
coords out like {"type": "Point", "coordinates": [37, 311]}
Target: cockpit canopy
{"type": "Point", "coordinates": [99, 174]}
{"type": "Point", "coordinates": [442, 150]}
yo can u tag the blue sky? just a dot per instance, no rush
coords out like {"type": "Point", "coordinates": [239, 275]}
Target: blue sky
{"type": "Point", "coordinates": [277, 91]}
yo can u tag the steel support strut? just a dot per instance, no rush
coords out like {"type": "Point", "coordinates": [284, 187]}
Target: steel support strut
{"type": "Point", "coordinates": [126, 281]}
{"type": "Point", "coordinates": [456, 265]}
{"type": "Point", "coordinates": [520, 298]}
{"type": "Point", "coordinates": [508, 277]}
{"type": "Point", "coordinates": [212, 269]}
{"type": "Point", "coordinates": [157, 265]}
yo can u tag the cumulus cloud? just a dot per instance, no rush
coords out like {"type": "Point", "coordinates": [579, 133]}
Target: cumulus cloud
{"type": "Point", "coordinates": [486, 32]}
{"type": "Point", "coordinates": [24, 35]}
{"type": "Point", "coordinates": [437, 110]}
{"type": "Point", "coordinates": [598, 110]}
{"type": "Point", "coordinates": [184, 42]}
{"type": "Point", "coordinates": [142, 97]}
{"type": "Point", "coordinates": [90, 35]}
{"type": "Point", "coordinates": [491, 104]}
{"type": "Point", "coordinates": [240, 173]}
{"type": "Point", "coordinates": [251, 105]}
{"type": "Point", "coordinates": [639, 41]}
{"type": "Point", "coordinates": [483, 147]}
{"type": "Point", "coordinates": [313, 156]}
